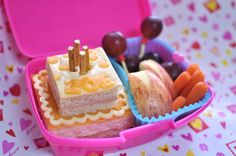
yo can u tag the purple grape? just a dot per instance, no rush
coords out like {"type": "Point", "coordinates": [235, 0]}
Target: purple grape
{"type": "Point", "coordinates": [132, 62]}
{"type": "Point", "coordinates": [151, 27]}
{"type": "Point", "coordinates": [114, 43]}
{"type": "Point", "coordinates": [152, 55]}
{"type": "Point", "coordinates": [174, 70]}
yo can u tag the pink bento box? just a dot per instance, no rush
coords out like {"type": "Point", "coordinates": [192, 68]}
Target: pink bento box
{"type": "Point", "coordinates": [43, 28]}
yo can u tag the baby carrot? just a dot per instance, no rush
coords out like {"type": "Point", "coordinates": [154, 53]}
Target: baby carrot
{"type": "Point", "coordinates": [192, 68]}
{"type": "Point", "coordinates": [181, 81]}
{"type": "Point", "coordinates": [179, 102]}
{"type": "Point", "coordinates": [197, 92]}
{"type": "Point", "coordinates": [197, 76]}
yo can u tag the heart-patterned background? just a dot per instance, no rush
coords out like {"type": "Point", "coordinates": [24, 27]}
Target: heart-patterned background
{"type": "Point", "coordinates": [203, 31]}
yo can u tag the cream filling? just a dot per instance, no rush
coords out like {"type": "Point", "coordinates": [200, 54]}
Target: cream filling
{"type": "Point", "coordinates": [47, 110]}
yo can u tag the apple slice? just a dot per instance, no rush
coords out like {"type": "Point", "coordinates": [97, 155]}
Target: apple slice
{"type": "Point", "coordinates": [150, 94]}
{"type": "Point", "coordinates": [158, 70]}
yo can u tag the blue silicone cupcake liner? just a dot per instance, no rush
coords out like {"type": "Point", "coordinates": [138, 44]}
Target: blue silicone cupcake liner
{"type": "Point", "coordinates": [166, 52]}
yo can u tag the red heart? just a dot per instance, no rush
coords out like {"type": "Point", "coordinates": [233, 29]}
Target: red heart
{"type": "Point", "coordinates": [233, 44]}
{"type": "Point", "coordinates": [1, 115]}
{"type": "Point", "coordinates": [11, 133]}
{"type": "Point", "coordinates": [27, 111]}
{"type": "Point", "coordinates": [26, 147]}
{"type": "Point", "coordinates": [196, 45]}
{"type": "Point", "coordinates": [1, 102]}
{"type": "Point", "coordinates": [213, 65]}
{"type": "Point", "coordinates": [41, 142]}
{"type": "Point", "coordinates": [15, 90]}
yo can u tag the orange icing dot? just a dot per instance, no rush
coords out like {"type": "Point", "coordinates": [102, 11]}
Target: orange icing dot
{"type": "Point", "coordinates": [63, 67]}
{"type": "Point", "coordinates": [52, 60]}
{"type": "Point", "coordinates": [93, 57]}
{"type": "Point", "coordinates": [103, 64]}
{"type": "Point", "coordinates": [92, 52]}
{"type": "Point", "coordinates": [72, 90]}
{"type": "Point", "coordinates": [105, 82]}
{"type": "Point", "coordinates": [67, 82]}
{"type": "Point", "coordinates": [75, 83]}
{"type": "Point", "coordinates": [89, 84]}
{"type": "Point", "coordinates": [65, 55]}
{"type": "Point", "coordinates": [56, 77]}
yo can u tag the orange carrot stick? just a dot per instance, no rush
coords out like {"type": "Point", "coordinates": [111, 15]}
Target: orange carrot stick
{"type": "Point", "coordinates": [192, 68]}
{"type": "Point", "coordinates": [197, 76]}
{"type": "Point", "coordinates": [197, 92]}
{"type": "Point", "coordinates": [181, 81]}
{"type": "Point", "coordinates": [179, 102]}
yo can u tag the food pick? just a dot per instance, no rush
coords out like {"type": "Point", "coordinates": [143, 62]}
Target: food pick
{"type": "Point", "coordinates": [151, 27]}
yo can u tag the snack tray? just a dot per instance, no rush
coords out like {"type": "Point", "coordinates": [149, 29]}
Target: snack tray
{"type": "Point", "coordinates": [127, 138]}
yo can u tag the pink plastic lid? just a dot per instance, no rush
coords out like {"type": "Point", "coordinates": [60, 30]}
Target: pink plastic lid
{"type": "Point", "coordinates": [47, 27]}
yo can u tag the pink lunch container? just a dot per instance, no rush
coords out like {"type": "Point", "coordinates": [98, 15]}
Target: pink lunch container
{"type": "Point", "coordinates": [44, 28]}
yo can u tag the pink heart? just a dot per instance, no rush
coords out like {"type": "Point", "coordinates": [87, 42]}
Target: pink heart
{"type": "Point", "coordinates": [10, 123]}
{"type": "Point", "coordinates": [218, 136]}
{"type": "Point", "coordinates": [227, 35]}
{"type": "Point", "coordinates": [221, 114]}
{"type": "Point", "coordinates": [177, 57]}
{"type": "Point", "coordinates": [175, 147]}
{"type": "Point", "coordinates": [220, 154]}
{"type": "Point", "coordinates": [223, 124]}
{"type": "Point", "coordinates": [234, 25]}
{"type": "Point", "coordinates": [232, 108]}
{"type": "Point", "coordinates": [19, 69]}
{"type": "Point", "coordinates": [187, 137]}
{"type": "Point", "coordinates": [215, 26]}
{"type": "Point", "coordinates": [6, 77]}
{"type": "Point", "coordinates": [175, 1]}
{"type": "Point", "coordinates": [191, 7]}
{"type": "Point", "coordinates": [216, 76]}
{"type": "Point", "coordinates": [1, 47]}
{"type": "Point", "coordinates": [170, 134]}
{"type": "Point", "coordinates": [203, 18]}
{"type": "Point", "coordinates": [5, 93]}
{"type": "Point", "coordinates": [7, 146]}
{"type": "Point", "coordinates": [24, 123]}
{"type": "Point", "coordinates": [234, 60]}
{"type": "Point", "coordinates": [233, 89]}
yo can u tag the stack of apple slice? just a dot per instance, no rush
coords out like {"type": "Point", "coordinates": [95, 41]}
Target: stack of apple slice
{"type": "Point", "coordinates": [156, 94]}
{"type": "Point", "coordinates": [152, 89]}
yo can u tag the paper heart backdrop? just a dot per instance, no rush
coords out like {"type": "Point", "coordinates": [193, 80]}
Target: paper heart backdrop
{"type": "Point", "coordinates": [203, 31]}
